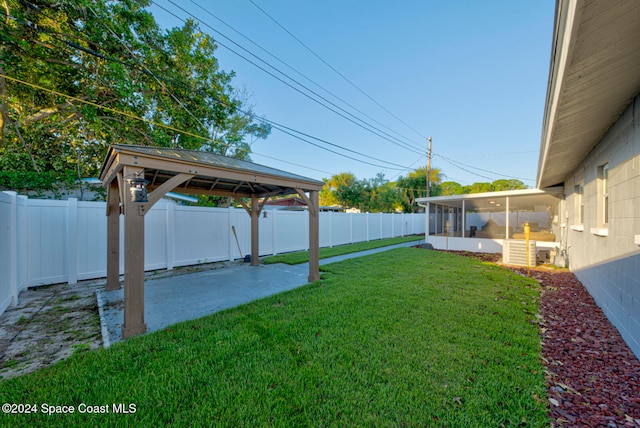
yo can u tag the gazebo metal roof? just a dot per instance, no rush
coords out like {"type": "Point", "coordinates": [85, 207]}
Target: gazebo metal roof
{"type": "Point", "coordinates": [212, 174]}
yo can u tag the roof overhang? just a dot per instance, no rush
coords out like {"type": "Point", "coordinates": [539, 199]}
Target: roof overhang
{"type": "Point", "coordinates": [211, 174]}
{"type": "Point", "coordinates": [594, 74]}
{"type": "Point", "coordinates": [494, 201]}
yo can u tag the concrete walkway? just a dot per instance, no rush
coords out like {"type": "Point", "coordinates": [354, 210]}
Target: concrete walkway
{"type": "Point", "coordinates": [177, 298]}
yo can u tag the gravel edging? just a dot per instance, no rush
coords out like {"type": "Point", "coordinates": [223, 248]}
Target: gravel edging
{"type": "Point", "coordinates": [592, 375]}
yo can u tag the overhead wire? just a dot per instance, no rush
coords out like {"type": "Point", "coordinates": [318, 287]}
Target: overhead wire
{"type": "Point", "coordinates": [292, 163]}
{"type": "Point", "coordinates": [208, 12]}
{"type": "Point", "coordinates": [112, 110]}
{"type": "Point", "coordinates": [132, 116]}
{"type": "Point", "coordinates": [282, 128]}
{"type": "Point", "coordinates": [336, 71]}
{"type": "Point", "coordinates": [353, 119]}
{"type": "Point", "coordinates": [184, 107]}
{"type": "Point", "coordinates": [347, 80]}
{"type": "Point", "coordinates": [462, 166]}
{"type": "Point", "coordinates": [277, 126]}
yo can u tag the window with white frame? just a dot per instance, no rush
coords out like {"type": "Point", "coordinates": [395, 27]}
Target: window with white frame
{"type": "Point", "coordinates": [579, 215]}
{"type": "Point", "coordinates": [603, 196]}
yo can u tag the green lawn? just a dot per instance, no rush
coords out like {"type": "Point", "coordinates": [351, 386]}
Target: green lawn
{"type": "Point", "coordinates": [303, 256]}
{"type": "Point", "coordinates": [407, 337]}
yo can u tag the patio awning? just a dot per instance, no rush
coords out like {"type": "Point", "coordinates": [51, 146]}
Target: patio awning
{"type": "Point", "coordinates": [487, 201]}
{"type": "Point", "coordinates": [187, 172]}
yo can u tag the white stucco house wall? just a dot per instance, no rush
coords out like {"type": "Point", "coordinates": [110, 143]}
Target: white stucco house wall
{"type": "Point", "coordinates": [590, 151]}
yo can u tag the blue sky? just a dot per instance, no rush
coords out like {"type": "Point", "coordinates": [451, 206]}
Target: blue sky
{"type": "Point", "coordinates": [470, 74]}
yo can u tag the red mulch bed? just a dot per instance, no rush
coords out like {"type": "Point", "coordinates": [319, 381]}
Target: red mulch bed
{"type": "Point", "coordinates": [592, 375]}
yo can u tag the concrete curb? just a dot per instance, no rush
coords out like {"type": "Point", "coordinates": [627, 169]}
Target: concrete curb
{"type": "Point", "coordinates": [102, 301]}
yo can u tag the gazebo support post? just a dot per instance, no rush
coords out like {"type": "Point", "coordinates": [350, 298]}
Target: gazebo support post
{"type": "Point", "coordinates": [314, 237]}
{"type": "Point", "coordinates": [134, 261]}
{"type": "Point", "coordinates": [314, 233]}
{"type": "Point", "coordinates": [255, 230]}
{"type": "Point", "coordinates": [113, 237]}
{"type": "Point", "coordinates": [254, 212]}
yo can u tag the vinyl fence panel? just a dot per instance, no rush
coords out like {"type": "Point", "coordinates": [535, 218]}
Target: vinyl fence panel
{"type": "Point", "coordinates": [7, 250]}
{"type": "Point", "coordinates": [47, 242]}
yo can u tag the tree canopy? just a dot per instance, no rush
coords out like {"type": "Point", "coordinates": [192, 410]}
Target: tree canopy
{"type": "Point", "coordinates": [414, 186]}
{"type": "Point", "coordinates": [78, 75]}
{"type": "Point", "coordinates": [380, 195]}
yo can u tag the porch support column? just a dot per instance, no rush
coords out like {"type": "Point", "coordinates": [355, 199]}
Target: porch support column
{"type": "Point", "coordinates": [464, 220]}
{"type": "Point", "coordinates": [506, 232]}
{"type": "Point", "coordinates": [428, 221]}
{"type": "Point", "coordinates": [134, 260]}
{"type": "Point", "coordinates": [113, 237]}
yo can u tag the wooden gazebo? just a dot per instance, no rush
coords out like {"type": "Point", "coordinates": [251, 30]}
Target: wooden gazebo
{"type": "Point", "coordinates": [187, 172]}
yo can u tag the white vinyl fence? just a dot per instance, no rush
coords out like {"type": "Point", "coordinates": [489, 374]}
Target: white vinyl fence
{"type": "Point", "coordinates": [47, 242]}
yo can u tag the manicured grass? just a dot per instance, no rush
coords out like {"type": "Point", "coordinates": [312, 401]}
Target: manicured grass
{"type": "Point", "coordinates": [407, 337]}
{"type": "Point", "coordinates": [303, 256]}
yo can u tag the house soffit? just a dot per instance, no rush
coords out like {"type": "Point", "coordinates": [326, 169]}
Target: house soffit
{"type": "Point", "coordinates": [600, 78]}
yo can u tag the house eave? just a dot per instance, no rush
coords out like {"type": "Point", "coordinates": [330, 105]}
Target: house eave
{"type": "Point", "coordinates": [594, 74]}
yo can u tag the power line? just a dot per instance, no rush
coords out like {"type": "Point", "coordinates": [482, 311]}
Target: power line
{"type": "Point", "coordinates": [477, 155]}
{"type": "Point", "coordinates": [132, 116]}
{"type": "Point", "coordinates": [280, 127]}
{"type": "Point", "coordinates": [292, 163]}
{"type": "Point", "coordinates": [297, 71]}
{"type": "Point", "coordinates": [370, 128]}
{"type": "Point", "coordinates": [123, 113]}
{"type": "Point", "coordinates": [458, 165]}
{"type": "Point", "coordinates": [147, 69]}
{"type": "Point", "coordinates": [336, 71]}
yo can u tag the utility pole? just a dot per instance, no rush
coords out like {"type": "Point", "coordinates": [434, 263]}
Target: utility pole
{"type": "Point", "coordinates": [429, 168]}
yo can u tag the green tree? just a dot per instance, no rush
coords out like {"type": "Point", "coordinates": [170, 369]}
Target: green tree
{"type": "Point", "coordinates": [118, 78]}
{"type": "Point", "coordinates": [507, 184]}
{"type": "Point", "coordinates": [328, 193]}
{"type": "Point", "coordinates": [415, 186]}
{"type": "Point", "coordinates": [354, 195]}
{"type": "Point", "coordinates": [451, 188]}
{"type": "Point", "coordinates": [380, 195]}
{"type": "Point", "coordinates": [478, 188]}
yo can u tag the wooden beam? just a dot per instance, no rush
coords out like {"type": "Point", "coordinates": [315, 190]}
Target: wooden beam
{"type": "Point", "coordinates": [110, 174]}
{"type": "Point", "coordinates": [155, 176]}
{"type": "Point", "coordinates": [167, 186]}
{"type": "Point", "coordinates": [243, 204]}
{"type": "Point", "coordinates": [213, 185]}
{"type": "Point", "coordinates": [133, 263]}
{"type": "Point", "coordinates": [213, 172]}
{"type": "Point", "coordinates": [314, 234]}
{"type": "Point", "coordinates": [304, 197]}
{"type": "Point", "coordinates": [255, 232]}
{"type": "Point", "coordinates": [113, 236]}
{"type": "Point", "coordinates": [254, 212]}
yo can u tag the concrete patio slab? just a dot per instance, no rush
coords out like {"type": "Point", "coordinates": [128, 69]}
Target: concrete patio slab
{"type": "Point", "coordinates": [183, 297]}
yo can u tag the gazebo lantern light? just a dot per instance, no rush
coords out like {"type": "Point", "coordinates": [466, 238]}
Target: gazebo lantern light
{"type": "Point", "coordinates": [138, 189]}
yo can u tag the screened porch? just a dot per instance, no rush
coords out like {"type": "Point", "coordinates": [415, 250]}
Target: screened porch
{"type": "Point", "coordinates": [482, 221]}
